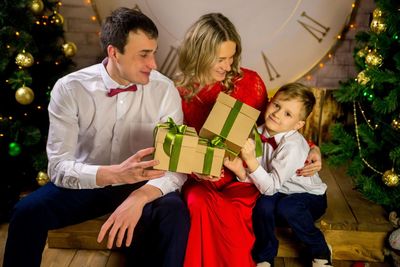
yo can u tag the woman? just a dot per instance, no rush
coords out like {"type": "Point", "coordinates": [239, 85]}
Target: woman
{"type": "Point", "coordinates": [221, 231]}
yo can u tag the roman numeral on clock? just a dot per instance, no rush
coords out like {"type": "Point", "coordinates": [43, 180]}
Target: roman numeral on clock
{"type": "Point", "coordinates": [272, 72]}
{"type": "Point", "coordinates": [315, 28]}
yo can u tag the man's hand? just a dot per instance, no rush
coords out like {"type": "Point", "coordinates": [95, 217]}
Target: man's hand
{"type": "Point", "coordinates": [123, 220]}
{"type": "Point", "coordinates": [132, 170]}
{"type": "Point", "coordinates": [313, 163]}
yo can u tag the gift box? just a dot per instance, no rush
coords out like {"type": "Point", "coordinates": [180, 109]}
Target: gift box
{"type": "Point", "coordinates": [230, 120]}
{"type": "Point", "coordinates": [175, 147]}
{"type": "Point", "coordinates": [208, 159]}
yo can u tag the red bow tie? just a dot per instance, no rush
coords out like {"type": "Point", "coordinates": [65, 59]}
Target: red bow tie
{"type": "Point", "coordinates": [113, 92]}
{"type": "Point", "coordinates": [269, 140]}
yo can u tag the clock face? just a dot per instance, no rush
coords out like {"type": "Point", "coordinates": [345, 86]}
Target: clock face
{"type": "Point", "coordinates": [282, 40]}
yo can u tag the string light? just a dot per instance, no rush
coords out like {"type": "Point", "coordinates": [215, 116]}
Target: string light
{"type": "Point", "coordinates": [367, 120]}
{"type": "Point", "coordinates": [329, 55]}
{"type": "Point", "coordinates": [358, 141]}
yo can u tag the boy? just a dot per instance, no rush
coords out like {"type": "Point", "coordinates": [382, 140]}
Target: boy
{"type": "Point", "coordinates": [297, 199]}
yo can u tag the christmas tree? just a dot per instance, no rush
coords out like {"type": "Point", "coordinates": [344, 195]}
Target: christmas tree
{"type": "Point", "coordinates": [370, 144]}
{"type": "Point", "coordinates": [33, 55]}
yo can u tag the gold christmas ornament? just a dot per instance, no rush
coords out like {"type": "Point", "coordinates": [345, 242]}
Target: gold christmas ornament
{"type": "Point", "coordinates": [37, 6]}
{"type": "Point", "coordinates": [24, 95]}
{"type": "Point", "coordinates": [42, 178]}
{"type": "Point", "coordinates": [396, 124]}
{"type": "Point", "coordinates": [363, 52]}
{"type": "Point", "coordinates": [362, 78]}
{"type": "Point", "coordinates": [390, 178]}
{"type": "Point", "coordinates": [377, 13]}
{"type": "Point", "coordinates": [24, 59]}
{"type": "Point", "coordinates": [373, 59]}
{"type": "Point", "coordinates": [58, 19]}
{"type": "Point", "coordinates": [69, 49]}
{"type": "Point", "coordinates": [378, 25]}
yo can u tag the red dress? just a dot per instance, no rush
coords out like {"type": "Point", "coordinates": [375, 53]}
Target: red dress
{"type": "Point", "coordinates": [221, 231]}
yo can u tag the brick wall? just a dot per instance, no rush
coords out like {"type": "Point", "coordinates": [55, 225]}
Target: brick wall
{"type": "Point", "coordinates": [83, 31]}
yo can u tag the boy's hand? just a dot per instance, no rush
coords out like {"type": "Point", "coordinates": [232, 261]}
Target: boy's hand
{"type": "Point", "coordinates": [248, 151]}
{"type": "Point", "coordinates": [248, 154]}
{"type": "Point", "coordinates": [236, 165]}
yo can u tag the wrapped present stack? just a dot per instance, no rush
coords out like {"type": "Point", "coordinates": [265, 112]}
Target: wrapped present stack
{"type": "Point", "coordinates": [180, 149]}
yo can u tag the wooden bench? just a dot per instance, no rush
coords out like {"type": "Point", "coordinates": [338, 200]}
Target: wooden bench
{"type": "Point", "coordinates": [355, 227]}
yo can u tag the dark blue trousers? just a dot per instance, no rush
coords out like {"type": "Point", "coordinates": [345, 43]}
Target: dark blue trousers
{"type": "Point", "coordinates": [159, 238]}
{"type": "Point", "coordinates": [299, 211]}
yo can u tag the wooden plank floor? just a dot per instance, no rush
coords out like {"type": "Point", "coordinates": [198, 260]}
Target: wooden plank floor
{"type": "Point", "coordinates": [54, 257]}
{"type": "Point", "coordinates": [355, 227]}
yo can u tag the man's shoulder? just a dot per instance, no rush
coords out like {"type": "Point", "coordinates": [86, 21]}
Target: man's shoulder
{"type": "Point", "coordinates": [83, 74]}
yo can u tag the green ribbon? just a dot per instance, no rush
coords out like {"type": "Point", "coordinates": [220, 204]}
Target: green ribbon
{"type": "Point", "coordinates": [173, 141]}
{"type": "Point", "coordinates": [230, 120]}
{"type": "Point", "coordinates": [209, 155]}
{"type": "Point", "coordinates": [257, 140]}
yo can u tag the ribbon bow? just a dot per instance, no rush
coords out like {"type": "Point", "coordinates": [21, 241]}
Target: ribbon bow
{"type": "Point", "coordinates": [115, 91]}
{"type": "Point", "coordinates": [269, 140]}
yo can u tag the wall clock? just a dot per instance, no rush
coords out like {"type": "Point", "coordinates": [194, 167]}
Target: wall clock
{"type": "Point", "coordinates": [282, 40]}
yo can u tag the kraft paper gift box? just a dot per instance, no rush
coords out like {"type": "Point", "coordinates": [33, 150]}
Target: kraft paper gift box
{"type": "Point", "coordinates": [232, 121]}
{"type": "Point", "coordinates": [208, 159]}
{"type": "Point", "coordinates": [175, 147]}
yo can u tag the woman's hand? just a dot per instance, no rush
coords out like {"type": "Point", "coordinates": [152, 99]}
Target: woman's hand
{"type": "Point", "coordinates": [313, 163]}
{"type": "Point", "coordinates": [202, 177]}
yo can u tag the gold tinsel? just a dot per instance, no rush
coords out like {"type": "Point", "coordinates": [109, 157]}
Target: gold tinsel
{"type": "Point", "coordinates": [377, 13]}
{"type": "Point", "coordinates": [373, 59]}
{"type": "Point", "coordinates": [362, 78]}
{"type": "Point", "coordinates": [378, 25]}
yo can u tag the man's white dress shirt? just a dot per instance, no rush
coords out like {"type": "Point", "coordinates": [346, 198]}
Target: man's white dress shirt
{"type": "Point", "coordinates": [89, 129]}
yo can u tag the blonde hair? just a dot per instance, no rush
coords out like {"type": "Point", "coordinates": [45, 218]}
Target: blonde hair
{"type": "Point", "coordinates": [300, 92]}
{"type": "Point", "coordinates": [199, 52]}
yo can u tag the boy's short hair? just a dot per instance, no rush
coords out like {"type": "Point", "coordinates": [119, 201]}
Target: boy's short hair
{"type": "Point", "coordinates": [301, 92]}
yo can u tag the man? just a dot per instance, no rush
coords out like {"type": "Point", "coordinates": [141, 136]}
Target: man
{"type": "Point", "coordinates": [98, 140]}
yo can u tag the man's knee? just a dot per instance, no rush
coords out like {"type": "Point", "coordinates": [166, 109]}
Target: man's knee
{"type": "Point", "coordinates": [171, 208]}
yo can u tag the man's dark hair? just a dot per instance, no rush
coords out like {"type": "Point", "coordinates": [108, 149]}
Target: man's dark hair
{"type": "Point", "coordinates": [116, 28]}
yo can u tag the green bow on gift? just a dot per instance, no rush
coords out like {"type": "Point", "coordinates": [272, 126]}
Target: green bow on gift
{"type": "Point", "coordinates": [216, 142]}
{"type": "Point", "coordinates": [173, 141]}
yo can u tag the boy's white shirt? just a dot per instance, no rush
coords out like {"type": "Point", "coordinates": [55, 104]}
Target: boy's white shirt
{"type": "Point", "coordinates": [277, 169]}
